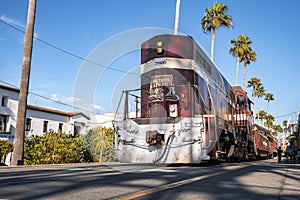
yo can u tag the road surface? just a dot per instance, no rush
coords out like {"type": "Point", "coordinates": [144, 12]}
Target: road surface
{"type": "Point", "coordinates": [250, 180]}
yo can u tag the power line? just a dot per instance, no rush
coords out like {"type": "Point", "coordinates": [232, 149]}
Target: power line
{"type": "Point", "coordinates": [285, 115]}
{"type": "Point", "coordinates": [67, 52]}
{"type": "Point", "coordinates": [49, 99]}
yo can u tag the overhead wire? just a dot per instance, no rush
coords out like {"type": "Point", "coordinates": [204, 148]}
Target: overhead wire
{"type": "Point", "coordinates": [292, 113]}
{"type": "Point", "coordinates": [68, 52]}
{"type": "Point", "coordinates": [50, 99]}
{"type": "Point", "coordinates": [83, 59]}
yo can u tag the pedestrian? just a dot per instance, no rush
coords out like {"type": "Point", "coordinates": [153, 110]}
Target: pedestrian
{"type": "Point", "coordinates": [285, 149]}
{"type": "Point", "coordinates": [291, 150]}
{"type": "Point", "coordinates": [279, 152]}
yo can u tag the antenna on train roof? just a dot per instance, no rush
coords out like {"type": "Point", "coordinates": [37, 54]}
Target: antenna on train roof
{"type": "Point", "coordinates": [176, 17]}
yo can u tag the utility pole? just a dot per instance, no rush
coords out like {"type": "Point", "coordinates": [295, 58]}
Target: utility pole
{"type": "Point", "coordinates": [18, 152]}
{"type": "Point", "coordinates": [177, 17]}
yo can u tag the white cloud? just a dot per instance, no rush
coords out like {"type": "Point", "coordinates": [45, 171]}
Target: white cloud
{"type": "Point", "coordinates": [12, 21]}
{"type": "Point", "coordinates": [77, 103]}
{"type": "Point", "coordinates": [62, 99]}
{"type": "Point", "coordinates": [17, 24]}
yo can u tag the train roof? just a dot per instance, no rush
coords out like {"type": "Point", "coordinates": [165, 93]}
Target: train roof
{"type": "Point", "coordinates": [264, 130]}
{"type": "Point", "coordinates": [184, 47]}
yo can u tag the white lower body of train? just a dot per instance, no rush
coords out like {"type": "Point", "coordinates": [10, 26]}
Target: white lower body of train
{"type": "Point", "coordinates": [162, 140]}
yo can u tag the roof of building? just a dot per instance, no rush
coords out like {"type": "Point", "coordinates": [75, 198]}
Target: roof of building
{"type": "Point", "coordinates": [9, 88]}
{"type": "Point", "coordinates": [59, 112]}
{"type": "Point", "coordinates": [43, 109]}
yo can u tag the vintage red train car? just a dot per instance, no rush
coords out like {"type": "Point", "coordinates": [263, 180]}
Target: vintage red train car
{"type": "Point", "coordinates": [185, 110]}
{"type": "Point", "coordinates": [265, 144]}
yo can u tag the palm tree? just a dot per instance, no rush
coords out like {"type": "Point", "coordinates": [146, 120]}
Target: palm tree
{"type": "Point", "coordinates": [261, 115]}
{"type": "Point", "coordinates": [277, 129]}
{"type": "Point", "coordinates": [103, 141]}
{"type": "Point", "coordinates": [213, 18]}
{"type": "Point", "coordinates": [269, 121]}
{"type": "Point", "coordinates": [255, 83]}
{"type": "Point", "coordinates": [260, 93]}
{"type": "Point", "coordinates": [248, 56]}
{"type": "Point", "coordinates": [284, 124]}
{"type": "Point", "coordinates": [269, 97]}
{"type": "Point", "coordinates": [240, 46]}
{"type": "Point", "coordinates": [18, 152]}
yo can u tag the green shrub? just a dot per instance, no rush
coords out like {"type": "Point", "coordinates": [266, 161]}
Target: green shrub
{"type": "Point", "coordinates": [54, 148]}
{"type": "Point", "coordinates": [5, 148]}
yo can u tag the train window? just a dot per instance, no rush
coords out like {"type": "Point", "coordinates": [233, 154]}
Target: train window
{"type": "Point", "coordinates": [240, 101]}
{"type": "Point", "coordinates": [199, 57]}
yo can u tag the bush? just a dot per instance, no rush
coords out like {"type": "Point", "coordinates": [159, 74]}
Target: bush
{"type": "Point", "coordinates": [54, 148]}
{"type": "Point", "coordinates": [5, 148]}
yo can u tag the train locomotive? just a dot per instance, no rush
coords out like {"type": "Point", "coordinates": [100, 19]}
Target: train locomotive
{"type": "Point", "coordinates": [185, 110]}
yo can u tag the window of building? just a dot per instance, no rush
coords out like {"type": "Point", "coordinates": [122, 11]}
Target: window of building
{"type": "Point", "coordinates": [4, 101]}
{"type": "Point", "coordinates": [60, 126]}
{"type": "Point", "coordinates": [77, 130]}
{"type": "Point", "coordinates": [3, 122]}
{"type": "Point", "coordinates": [28, 124]}
{"type": "Point", "coordinates": [241, 101]}
{"type": "Point", "coordinates": [45, 126]}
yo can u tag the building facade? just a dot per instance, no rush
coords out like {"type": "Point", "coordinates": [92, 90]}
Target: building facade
{"type": "Point", "coordinates": [39, 120]}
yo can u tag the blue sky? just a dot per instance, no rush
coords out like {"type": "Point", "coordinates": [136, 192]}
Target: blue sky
{"type": "Point", "coordinates": [84, 28]}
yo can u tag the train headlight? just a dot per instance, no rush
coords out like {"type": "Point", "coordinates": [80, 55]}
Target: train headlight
{"type": "Point", "coordinates": [173, 110]}
{"type": "Point", "coordinates": [159, 47]}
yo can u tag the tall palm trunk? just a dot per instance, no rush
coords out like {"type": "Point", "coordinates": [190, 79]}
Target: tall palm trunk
{"type": "Point", "coordinates": [18, 152]}
{"type": "Point", "coordinates": [268, 107]}
{"type": "Point", "coordinates": [258, 103]}
{"type": "Point", "coordinates": [176, 17]}
{"type": "Point", "coordinates": [253, 101]}
{"type": "Point", "coordinates": [237, 71]}
{"type": "Point", "coordinates": [213, 34]}
{"type": "Point", "coordinates": [245, 75]}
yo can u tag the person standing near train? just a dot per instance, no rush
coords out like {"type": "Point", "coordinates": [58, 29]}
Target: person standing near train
{"type": "Point", "coordinates": [291, 151]}
{"type": "Point", "coordinates": [285, 149]}
{"type": "Point", "coordinates": [279, 152]}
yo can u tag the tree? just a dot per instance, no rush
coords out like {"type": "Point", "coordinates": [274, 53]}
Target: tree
{"type": "Point", "coordinates": [269, 121]}
{"type": "Point", "coordinates": [269, 97]}
{"type": "Point", "coordinates": [99, 141]}
{"type": "Point", "coordinates": [277, 129]}
{"type": "Point", "coordinates": [284, 124]}
{"type": "Point", "coordinates": [5, 148]}
{"type": "Point", "coordinates": [260, 93]}
{"type": "Point", "coordinates": [240, 46]}
{"type": "Point", "coordinates": [255, 83]}
{"type": "Point", "coordinates": [248, 56]}
{"type": "Point", "coordinates": [102, 141]}
{"type": "Point", "coordinates": [214, 18]}
{"type": "Point", "coordinates": [18, 152]}
{"type": "Point", "coordinates": [261, 115]}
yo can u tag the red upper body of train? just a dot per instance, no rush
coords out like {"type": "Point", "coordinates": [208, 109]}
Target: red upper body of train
{"type": "Point", "coordinates": [186, 111]}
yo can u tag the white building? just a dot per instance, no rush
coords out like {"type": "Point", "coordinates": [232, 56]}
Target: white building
{"type": "Point", "coordinates": [38, 119]}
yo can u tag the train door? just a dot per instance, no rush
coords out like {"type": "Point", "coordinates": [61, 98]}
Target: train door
{"type": "Point", "coordinates": [210, 123]}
